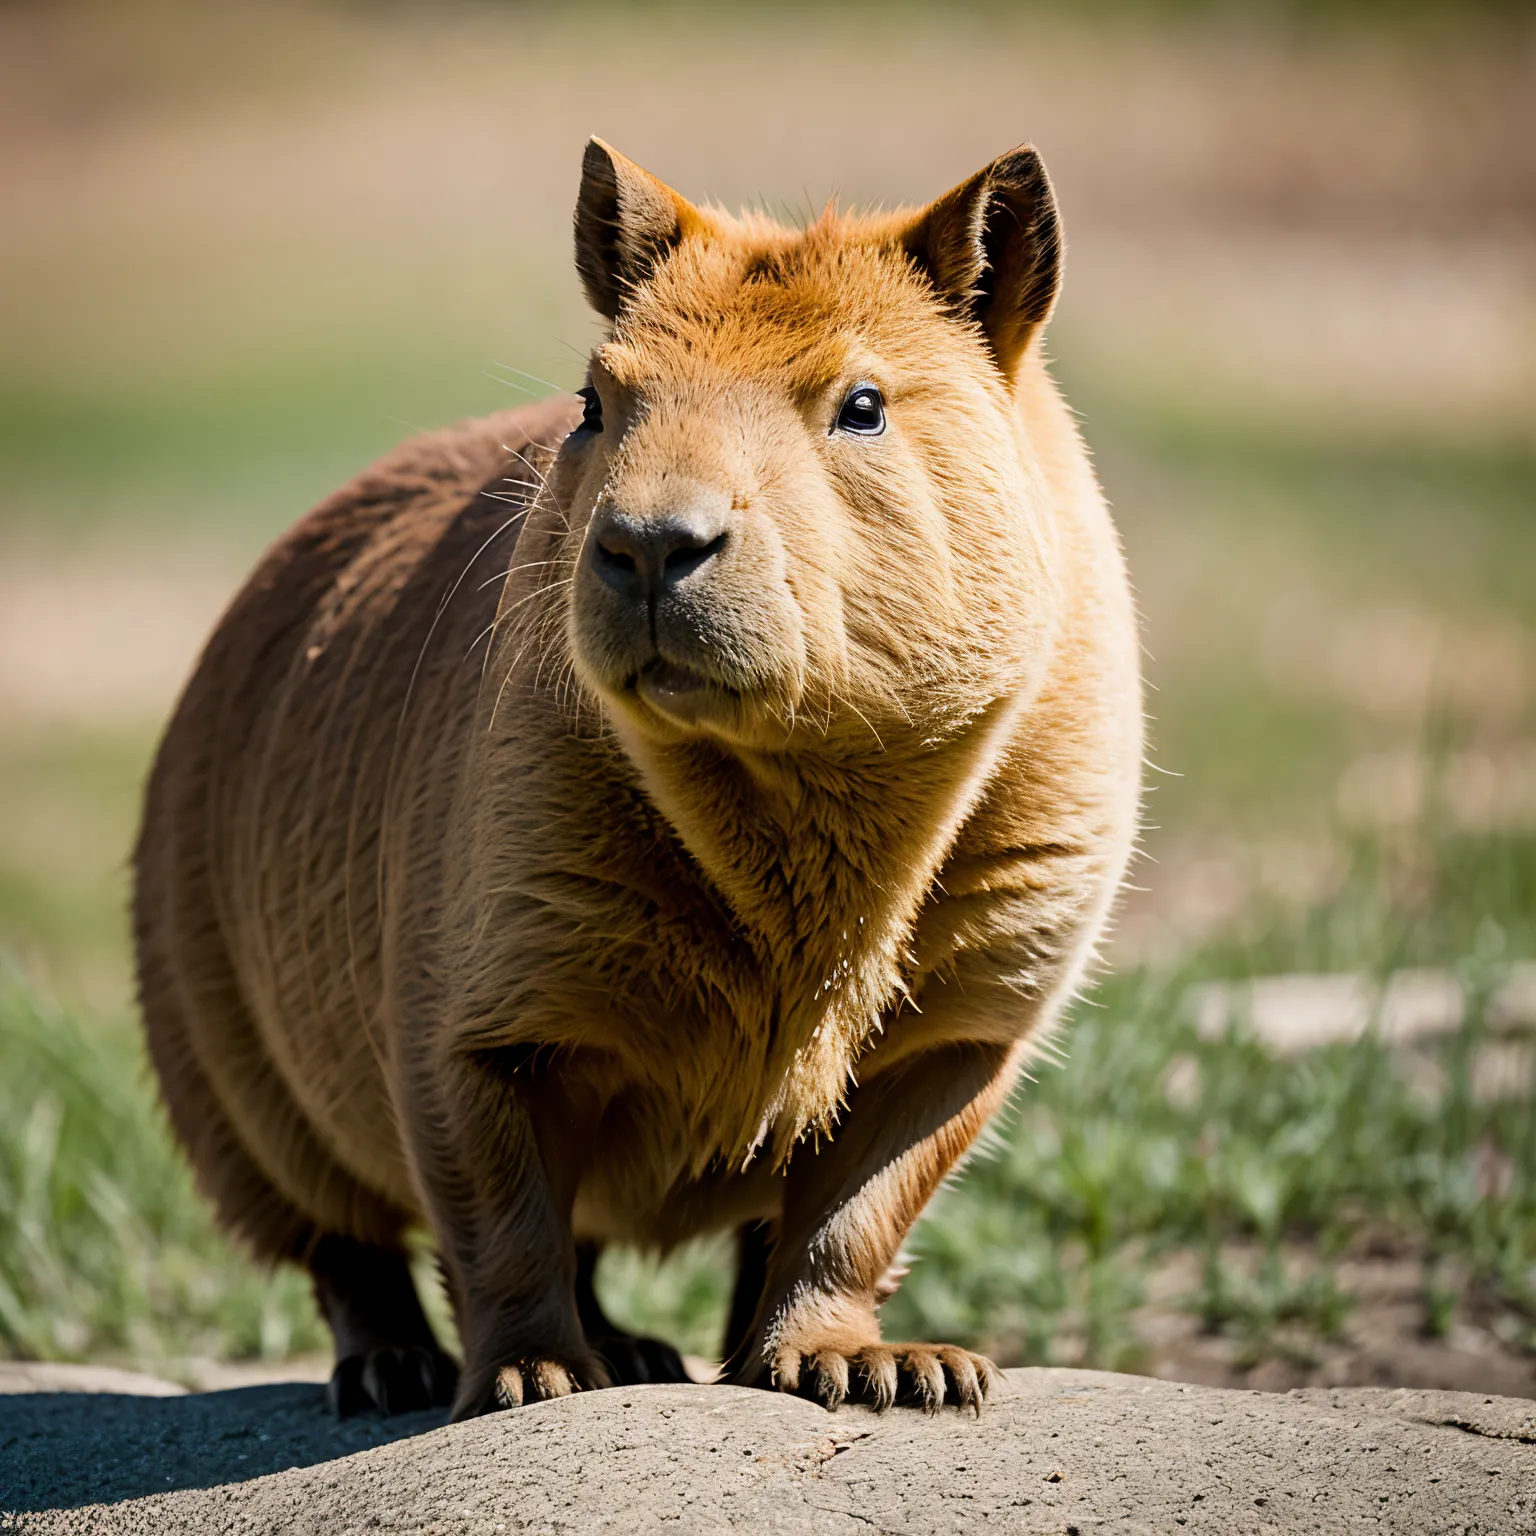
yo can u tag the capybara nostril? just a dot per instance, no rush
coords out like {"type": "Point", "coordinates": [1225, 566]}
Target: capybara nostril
{"type": "Point", "coordinates": [685, 559]}
{"type": "Point", "coordinates": [641, 556]}
{"type": "Point", "coordinates": [616, 565]}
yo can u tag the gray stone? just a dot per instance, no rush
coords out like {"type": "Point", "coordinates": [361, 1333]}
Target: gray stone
{"type": "Point", "coordinates": [1055, 1451]}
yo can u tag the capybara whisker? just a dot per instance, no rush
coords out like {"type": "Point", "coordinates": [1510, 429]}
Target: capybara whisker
{"type": "Point", "coordinates": [503, 576]}
{"type": "Point", "coordinates": [523, 373]}
{"type": "Point", "coordinates": [496, 378]}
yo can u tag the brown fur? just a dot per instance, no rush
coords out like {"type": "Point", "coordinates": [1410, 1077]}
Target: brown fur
{"type": "Point", "coordinates": [444, 920]}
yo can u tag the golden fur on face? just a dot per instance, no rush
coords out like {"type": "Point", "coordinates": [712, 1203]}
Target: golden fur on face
{"type": "Point", "coordinates": [867, 583]}
{"type": "Point", "coordinates": [686, 809]}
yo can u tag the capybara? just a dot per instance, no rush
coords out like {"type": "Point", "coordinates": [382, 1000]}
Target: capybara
{"type": "Point", "coordinates": [675, 808]}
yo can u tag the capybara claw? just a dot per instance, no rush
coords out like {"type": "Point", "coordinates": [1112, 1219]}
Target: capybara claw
{"type": "Point", "coordinates": [531, 1379]}
{"type": "Point", "coordinates": [926, 1376]}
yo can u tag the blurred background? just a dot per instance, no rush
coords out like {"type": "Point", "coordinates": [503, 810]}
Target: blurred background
{"type": "Point", "coordinates": [245, 249]}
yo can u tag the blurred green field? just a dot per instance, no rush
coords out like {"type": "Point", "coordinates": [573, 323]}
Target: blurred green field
{"type": "Point", "coordinates": [250, 251]}
{"type": "Point", "coordinates": [1158, 1200]}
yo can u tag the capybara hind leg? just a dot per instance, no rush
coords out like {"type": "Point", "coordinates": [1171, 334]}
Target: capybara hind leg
{"type": "Point", "coordinates": [386, 1354]}
{"type": "Point", "coordinates": [632, 1359]}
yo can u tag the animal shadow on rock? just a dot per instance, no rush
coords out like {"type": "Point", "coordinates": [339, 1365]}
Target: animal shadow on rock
{"type": "Point", "coordinates": [65, 1450]}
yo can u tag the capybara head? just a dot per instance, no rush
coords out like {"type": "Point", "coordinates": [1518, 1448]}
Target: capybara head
{"type": "Point", "coordinates": [800, 504]}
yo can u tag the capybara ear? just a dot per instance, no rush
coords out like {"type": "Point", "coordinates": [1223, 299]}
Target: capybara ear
{"type": "Point", "coordinates": [626, 222]}
{"type": "Point", "coordinates": [992, 247]}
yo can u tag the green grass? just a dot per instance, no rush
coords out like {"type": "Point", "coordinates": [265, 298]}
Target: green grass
{"type": "Point", "coordinates": [166, 388]}
{"type": "Point", "coordinates": [1096, 1174]}
{"type": "Point", "coordinates": [106, 1250]}
{"type": "Point", "coordinates": [1102, 1175]}
{"type": "Point", "coordinates": [73, 798]}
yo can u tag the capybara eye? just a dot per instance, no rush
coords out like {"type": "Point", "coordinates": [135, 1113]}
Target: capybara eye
{"type": "Point", "coordinates": [863, 411]}
{"type": "Point", "coordinates": [592, 410]}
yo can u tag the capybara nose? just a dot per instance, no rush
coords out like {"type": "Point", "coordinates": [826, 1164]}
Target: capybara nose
{"type": "Point", "coordinates": [642, 557]}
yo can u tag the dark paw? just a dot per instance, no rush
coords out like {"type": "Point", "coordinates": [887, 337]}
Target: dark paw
{"type": "Point", "coordinates": [392, 1380]}
{"type": "Point", "coordinates": [634, 1361]}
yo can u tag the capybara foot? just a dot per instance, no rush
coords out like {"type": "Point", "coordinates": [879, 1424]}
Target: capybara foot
{"type": "Point", "coordinates": [529, 1379]}
{"type": "Point", "coordinates": [926, 1376]}
{"type": "Point", "coordinates": [633, 1360]}
{"type": "Point", "coordinates": [394, 1379]}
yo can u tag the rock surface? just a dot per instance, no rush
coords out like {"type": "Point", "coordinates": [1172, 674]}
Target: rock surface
{"type": "Point", "coordinates": [1055, 1451]}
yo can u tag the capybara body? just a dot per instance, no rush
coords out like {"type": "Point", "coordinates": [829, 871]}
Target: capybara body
{"type": "Point", "coordinates": [677, 808]}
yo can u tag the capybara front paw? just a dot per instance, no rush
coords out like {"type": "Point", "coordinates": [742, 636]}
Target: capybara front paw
{"type": "Point", "coordinates": [392, 1379]}
{"type": "Point", "coordinates": [530, 1379]}
{"type": "Point", "coordinates": [926, 1376]}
